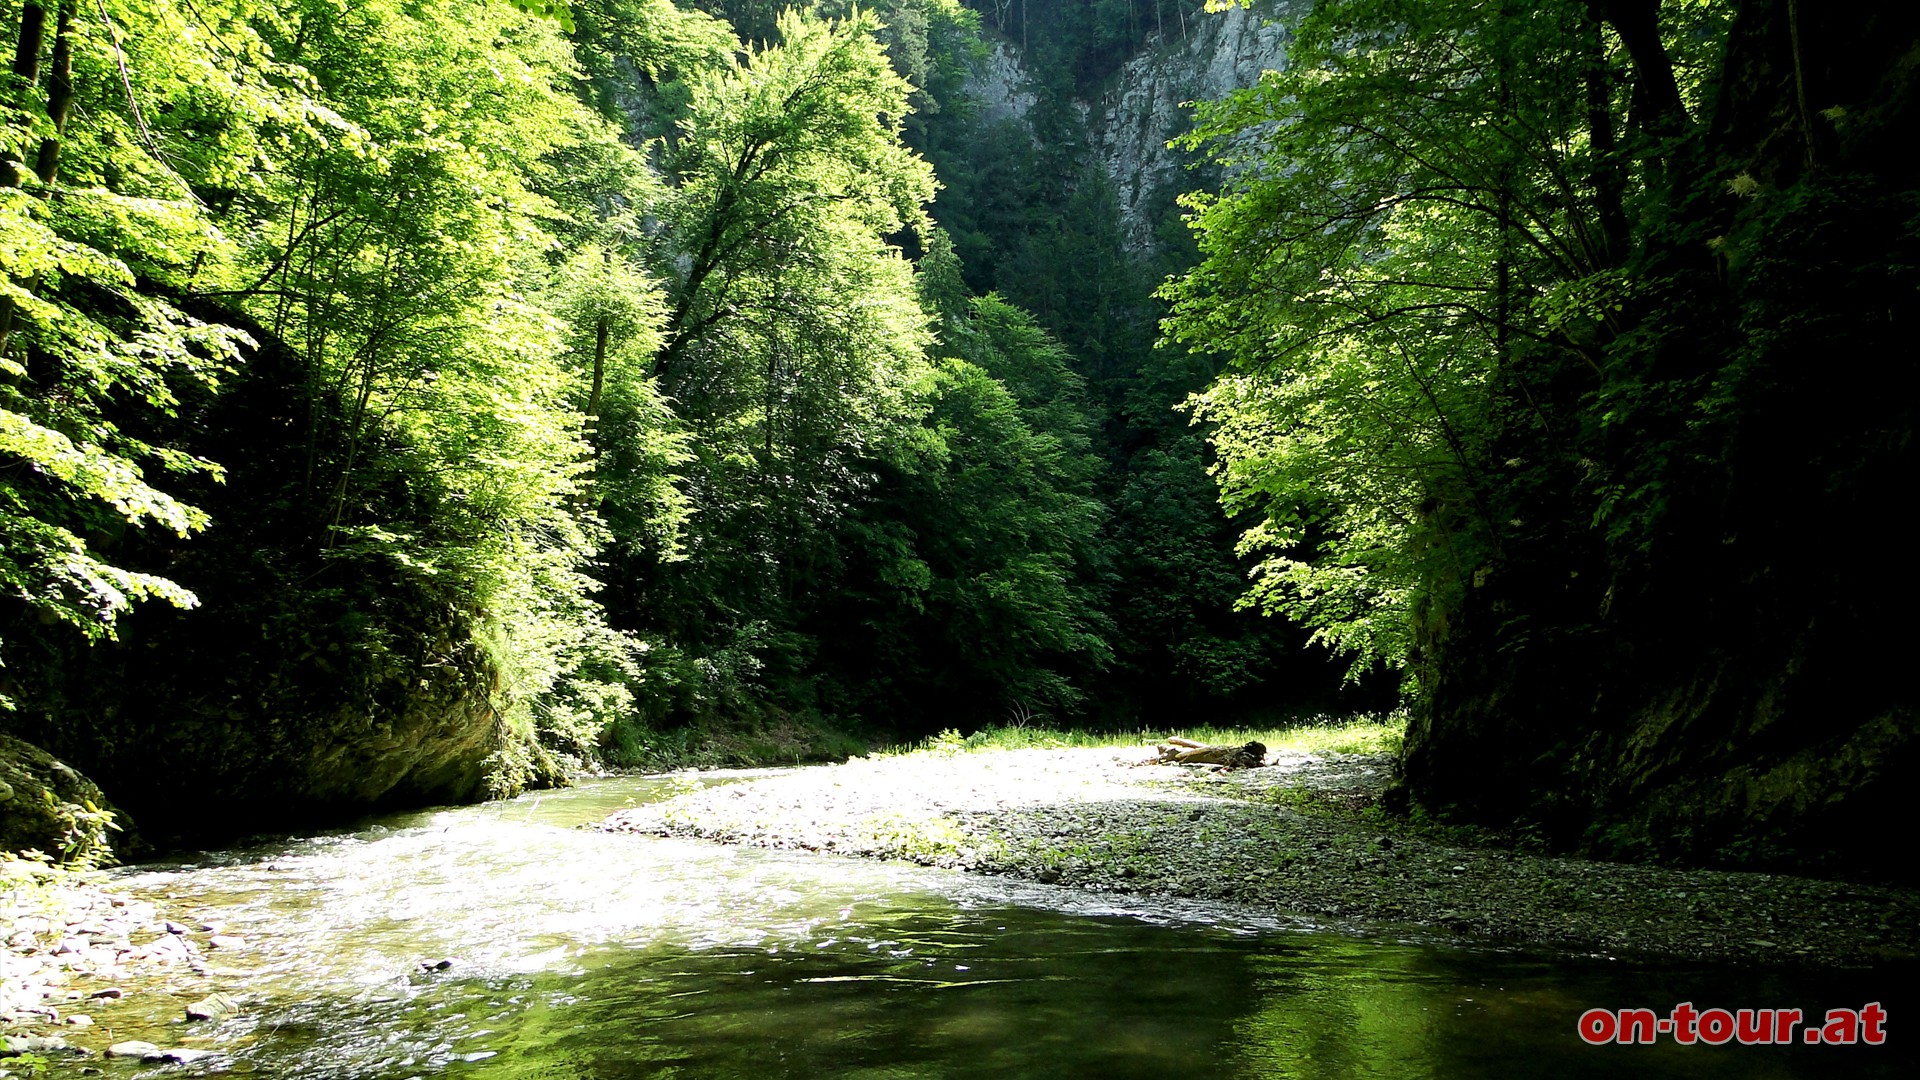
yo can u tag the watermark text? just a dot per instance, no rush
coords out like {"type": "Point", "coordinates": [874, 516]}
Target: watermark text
{"type": "Point", "coordinates": [1686, 1025]}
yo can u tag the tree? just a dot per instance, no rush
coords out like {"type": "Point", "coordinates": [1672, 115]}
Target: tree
{"type": "Point", "coordinates": [401, 247]}
{"type": "Point", "coordinates": [98, 237]}
{"type": "Point", "coordinates": [978, 570]}
{"type": "Point", "coordinates": [793, 342]}
{"type": "Point", "coordinates": [1413, 258]}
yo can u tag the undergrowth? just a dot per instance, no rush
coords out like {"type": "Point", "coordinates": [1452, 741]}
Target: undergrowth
{"type": "Point", "coordinates": [1362, 734]}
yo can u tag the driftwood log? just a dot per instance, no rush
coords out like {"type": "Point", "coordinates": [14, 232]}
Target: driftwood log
{"type": "Point", "coordinates": [1178, 751]}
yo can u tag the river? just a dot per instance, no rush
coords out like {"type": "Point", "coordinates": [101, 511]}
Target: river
{"type": "Point", "coordinates": [577, 954]}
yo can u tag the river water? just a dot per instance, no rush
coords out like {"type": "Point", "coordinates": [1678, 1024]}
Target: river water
{"type": "Point", "coordinates": [590, 956]}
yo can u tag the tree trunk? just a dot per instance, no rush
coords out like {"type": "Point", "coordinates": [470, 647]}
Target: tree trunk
{"type": "Point", "coordinates": [599, 368]}
{"type": "Point", "coordinates": [1178, 751]}
{"type": "Point", "coordinates": [59, 93]}
{"type": "Point", "coordinates": [1609, 180]}
{"type": "Point", "coordinates": [1657, 108]}
{"type": "Point", "coordinates": [26, 51]}
{"type": "Point", "coordinates": [26, 76]}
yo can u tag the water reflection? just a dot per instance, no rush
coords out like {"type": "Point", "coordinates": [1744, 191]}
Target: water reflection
{"type": "Point", "coordinates": [582, 955]}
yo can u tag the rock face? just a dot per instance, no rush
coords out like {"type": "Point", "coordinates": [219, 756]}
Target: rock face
{"type": "Point", "coordinates": [278, 711]}
{"type": "Point", "coordinates": [1223, 51]}
{"type": "Point", "coordinates": [1712, 686]}
{"type": "Point", "coordinates": [1742, 747]}
{"type": "Point", "coordinates": [47, 806]}
{"type": "Point", "coordinates": [309, 686]}
{"type": "Point", "coordinates": [1145, 104]}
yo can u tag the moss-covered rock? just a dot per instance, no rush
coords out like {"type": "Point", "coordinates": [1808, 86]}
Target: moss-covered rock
{"type": "Point", "coordinates": [315, 681]}
{"type": "Point", "coordinates": [47, 806]}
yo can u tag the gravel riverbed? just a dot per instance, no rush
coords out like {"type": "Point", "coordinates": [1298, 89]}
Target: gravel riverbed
{"type": "Point", "coordinates": [1283, 839]}
{"type": "Point", "coordinates": [68, 945]}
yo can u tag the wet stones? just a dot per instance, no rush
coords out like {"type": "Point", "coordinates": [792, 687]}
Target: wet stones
{"type": "Point", "coordinates": [15, 1045]}
{"type": "Point", "coordinates": [142, 1051]}
{"type": "Point", "coordinates": [156, 1054]}
{"type": "Point", "coordinates": [71, 943]}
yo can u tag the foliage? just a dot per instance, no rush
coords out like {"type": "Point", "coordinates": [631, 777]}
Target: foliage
{"type": "Point", "coordinates": [373, 192]}
{"type": "Point", "coordinates": [1539, 321]}
{"type": "Point", "coordinates": [792, 347]}
{"type": "Point", "coordinates": [1414, 248]}
{"type": "Point", "coordinates": [1357, 734]}
{"type": "Point", "coordinates": [87, 342]}
{"type": "Point", "coordinates": [394, 255]}
{"type": "Point", "coordinates": [565, 372]}
{"type": "Point", "coordinates": [976, 570]}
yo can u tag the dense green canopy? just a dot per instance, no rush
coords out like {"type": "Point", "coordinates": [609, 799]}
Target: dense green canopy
{"type": "Point", "coordinates": [597, 380]}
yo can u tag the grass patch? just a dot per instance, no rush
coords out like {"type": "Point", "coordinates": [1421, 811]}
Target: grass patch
{"type": "Point", "coordinates": [1363, 734]}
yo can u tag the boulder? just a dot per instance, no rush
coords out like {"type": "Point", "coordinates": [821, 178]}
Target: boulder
{"type": "Point", "coordinates": [46, 805]}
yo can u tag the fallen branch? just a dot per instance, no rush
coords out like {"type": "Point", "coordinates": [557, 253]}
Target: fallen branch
{"type": "Point", "coordinates": [1178, 751]}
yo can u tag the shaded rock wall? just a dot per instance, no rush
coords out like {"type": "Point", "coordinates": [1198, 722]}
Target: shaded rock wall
{"type": "Point", "coordinates": [1730, 680]}
{"type": "Point", "coordinates": [48, 807]}
{"type": "Point", "coordinates": [308, 687]}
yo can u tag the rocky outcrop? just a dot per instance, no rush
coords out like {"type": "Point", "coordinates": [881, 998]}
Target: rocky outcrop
{"type": "Point", "coordinates": [1000, 86]}
{"type": "Point", "coordinates": [47, 806]}
{"type": "Point", "coordinates": [309, 685]}
{"type": "Point", "coordinates": [1149, 104]}
{"type": "Point", "coordinates": [1146, 105]}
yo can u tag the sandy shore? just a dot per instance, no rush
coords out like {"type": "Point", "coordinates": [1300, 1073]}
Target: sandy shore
{"type": "Point", "coordinates": [1280, 839]}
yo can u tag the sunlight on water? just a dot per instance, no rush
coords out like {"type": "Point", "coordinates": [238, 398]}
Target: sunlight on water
{"type": "Point", "coordinates": [584, 955]}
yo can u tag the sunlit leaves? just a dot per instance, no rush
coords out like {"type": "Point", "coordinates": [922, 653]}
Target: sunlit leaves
{"type": "Point", "coordinates": [547, 9]}
{"type": "Point", "coordinates": [1407, 231]}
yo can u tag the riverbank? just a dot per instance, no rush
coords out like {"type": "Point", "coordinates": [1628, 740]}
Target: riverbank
{"type": "Point", "coordinates": [71, 946]}
{"type": "Point", "coordinates": [1284, 838]}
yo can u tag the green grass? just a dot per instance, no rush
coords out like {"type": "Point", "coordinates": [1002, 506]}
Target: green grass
{"type": "Point", "coordinates": [1364, 734]}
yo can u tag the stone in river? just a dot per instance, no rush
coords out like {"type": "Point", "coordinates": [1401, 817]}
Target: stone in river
{"type": "Point", "coordinates": [146, 1051]}
{"type": "Point", "coordinates": [14, 1045]}
{"type": "Point", "coordinates": [226, 941]}
{"type": "Point", "coordinates": [213, 1007]}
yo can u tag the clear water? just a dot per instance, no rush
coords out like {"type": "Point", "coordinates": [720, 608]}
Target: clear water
{"type": "Point", "coordinates": [583, 955]}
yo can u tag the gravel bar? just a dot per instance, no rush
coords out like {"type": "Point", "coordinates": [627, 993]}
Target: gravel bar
{"type": "Point", "coordinates": [1092, 819]}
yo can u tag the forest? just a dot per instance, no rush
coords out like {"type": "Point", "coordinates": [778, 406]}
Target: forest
{"type": "Point", "coordinates": [411, 401]}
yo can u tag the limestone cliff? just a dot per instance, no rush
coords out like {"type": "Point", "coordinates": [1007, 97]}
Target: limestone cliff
{"type": "Point", "coordinates": [1146, 104]}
